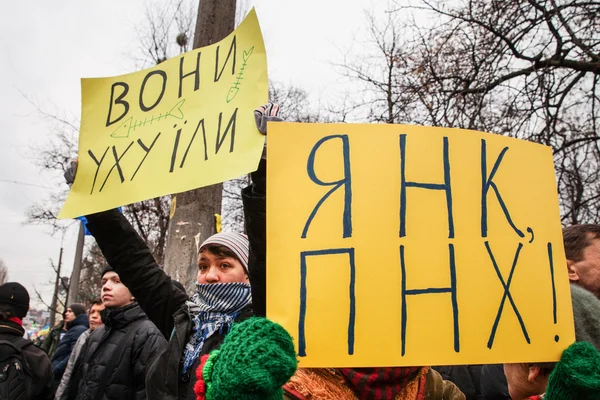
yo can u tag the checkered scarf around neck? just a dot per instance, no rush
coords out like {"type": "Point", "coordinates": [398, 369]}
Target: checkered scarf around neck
{"type": "Point", "coordinates": [212, 309]}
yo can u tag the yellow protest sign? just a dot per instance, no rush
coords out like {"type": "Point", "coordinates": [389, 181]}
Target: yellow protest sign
{"type": "Point", "coordinates": [393, 245]}
{"type": "Point", "coordinates": [184, 124]}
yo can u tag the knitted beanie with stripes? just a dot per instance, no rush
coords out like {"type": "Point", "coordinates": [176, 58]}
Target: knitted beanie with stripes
{"type": "Point", "coordinates": [236, 242]}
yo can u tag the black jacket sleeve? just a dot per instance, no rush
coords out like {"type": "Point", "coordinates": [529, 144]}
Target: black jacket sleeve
{"type": "Point", "coordinates": [254, 199]}
{"type": "Point", "coordinates": [129, 256]}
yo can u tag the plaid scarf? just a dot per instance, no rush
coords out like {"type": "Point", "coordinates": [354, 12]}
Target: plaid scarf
{"type": "Point", "coordinates": [213, 308]}
{"type": "Point", "coordinates": [378, 383]}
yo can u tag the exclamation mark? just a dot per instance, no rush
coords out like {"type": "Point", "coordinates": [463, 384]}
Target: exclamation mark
{"type": "Point", "coordinates": [550, 259]}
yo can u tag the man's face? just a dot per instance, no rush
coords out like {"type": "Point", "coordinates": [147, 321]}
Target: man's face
{"type": "Point", "coordinates": [94, 316]}
{"type": "Point", "coordinates": [114, 293]}
{"type": "Point", "coordinates": [69, 315]}
{"type": "Point", "coordinates": [217, 269]}
{"type": "Point", "coordinates": [524, 382]}
{"type": "Point", "coordinates": [586, 273]}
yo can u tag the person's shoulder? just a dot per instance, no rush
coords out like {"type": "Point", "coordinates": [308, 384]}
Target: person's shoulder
{"type": "Point", "coordinates": [96, 334]}
{"type": "Point", "coordinates": [76, 331]}
{"type": "Point", "coordinates": [583, 298]}
{"type": "Point", "coordinates": [145, 327]}
{"type": "Point", "coordinates": [36, 356]}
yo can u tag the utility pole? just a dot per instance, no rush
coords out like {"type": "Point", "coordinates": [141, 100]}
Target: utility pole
{"type": "Point", "coordinates": [56, 290]}
{"type": "Point", "coordinates": [195, 210]}
{"type": "Point", "coordinates": [74, 281]}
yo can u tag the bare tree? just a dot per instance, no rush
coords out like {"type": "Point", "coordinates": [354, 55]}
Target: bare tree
{"type": "Point", "coordinates": [3, 272]}
{"type": "Point", "coordinates": [166, 30]}
{"type": "Point", "coordinates": [527, 69]}
{"type": "Point", "coordinates": [91, 275]}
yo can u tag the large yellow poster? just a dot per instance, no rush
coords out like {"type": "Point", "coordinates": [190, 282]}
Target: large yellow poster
{"type": "Point", "coordinates": [394, 245]}
{"type": "Point", "coordinates": [184, 124]}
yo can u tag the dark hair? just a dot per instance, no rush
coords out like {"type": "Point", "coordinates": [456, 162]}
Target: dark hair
{"type": "Point", "coordinates": [219, 251]}
{"type": "Point", "coordinates": [95, 302]}
{"type": "Point", "coordinates": [577, 237]}
{"type": "Point", "coordinates": [6, 313]}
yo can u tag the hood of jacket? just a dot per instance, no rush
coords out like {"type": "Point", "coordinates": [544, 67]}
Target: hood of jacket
{"type": "Point", "coordinates": [82, 320]}
{"type": "Point", "coordinates": [119, 317]}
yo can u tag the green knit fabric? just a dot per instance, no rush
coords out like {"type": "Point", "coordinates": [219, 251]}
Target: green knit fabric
{"type": "Point", "coordinates": [255, 360]}
{"type": "Point", "coordinates": [577, 375]}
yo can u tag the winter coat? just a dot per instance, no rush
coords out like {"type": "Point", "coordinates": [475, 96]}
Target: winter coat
{"type": "Point", "coordinates": [466, 377]}
{"type": "Point", "coordinates": [328, 384]}
{"type": "Point", "coordinates": [163, 302]}
{"type": "Point", "coordinates": [586, 314]}
{"type": "Point", "coordinates": [72, 360]}
{"type": "Point", "coordinates": [128, 378]}
{"type": "Point", "coordinates": [51, 340]}
{"type": "Point", "coordinates": [37, 359]}
{"type": "Point", "coordinates": [66, 344]}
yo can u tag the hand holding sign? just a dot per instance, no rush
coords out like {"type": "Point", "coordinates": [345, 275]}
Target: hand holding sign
{"type": "Point", "coordinates": [183, 124]}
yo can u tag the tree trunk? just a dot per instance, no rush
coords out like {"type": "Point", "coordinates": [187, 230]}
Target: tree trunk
{"type": "Point", "coordinates": [75, 275]}
{"type": "Point", "coordinates": [56, 290]}
{"type": "Point", "coordinates": [195, 210]}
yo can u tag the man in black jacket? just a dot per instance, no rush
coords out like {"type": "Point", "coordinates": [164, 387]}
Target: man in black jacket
{"type": "Point", "coordinates": [14, 304]}
{"type": "Point", "coordinates": [113, 362]}
{"type": "Point", "coordinates": [76, 323]}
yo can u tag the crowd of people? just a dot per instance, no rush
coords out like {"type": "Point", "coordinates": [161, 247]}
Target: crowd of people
{"type": "Point", "coordinates": [145, 338]}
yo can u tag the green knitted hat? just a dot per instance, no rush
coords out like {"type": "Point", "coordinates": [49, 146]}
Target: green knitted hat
{"type": "Point", "coordinates": [255, 360]}
{"type": "Point", "coordinates": [577, 375]}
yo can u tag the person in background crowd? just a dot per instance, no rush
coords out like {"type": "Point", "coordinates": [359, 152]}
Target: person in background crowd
{"type": "Point", "coordinates": [76, 323]}
{"type": "Point", "coordinates": [95, 321]}
{"type": "Point", "coordinates": [37, 377]}
{"type": "Point", "coordinates": [575, 377]}
{"type": "Point", "coordinates": [113, 361]}
{"type": "Point", "coordinates": [53, 337]}
{"type": "Point", "coordinates": [582, 249]}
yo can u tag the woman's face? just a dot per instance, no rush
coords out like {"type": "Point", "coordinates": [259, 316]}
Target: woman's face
{"type": "Point", "coordinates": [219, 269]}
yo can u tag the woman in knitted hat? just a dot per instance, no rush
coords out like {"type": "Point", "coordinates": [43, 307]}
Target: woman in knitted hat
{"type": "Point", "coordinates": [193, 326]}
{"type": "Point", "coordinates": [575, 377]}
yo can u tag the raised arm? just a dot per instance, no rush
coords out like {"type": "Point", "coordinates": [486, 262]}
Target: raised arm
{"type": "Point", "coordinates": [255, 214]}
{"type": "Point", "coordinates": [129, 256]}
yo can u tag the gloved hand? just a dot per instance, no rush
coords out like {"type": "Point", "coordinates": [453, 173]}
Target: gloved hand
{"type": "Point", "coordinates": [70, 173]}
{"type": "Point", "coordinates": [255, 360]}
{"type": "Point", "coordinates": [265, 113]}
{"type": "Point", "coordinates": [262, 115]}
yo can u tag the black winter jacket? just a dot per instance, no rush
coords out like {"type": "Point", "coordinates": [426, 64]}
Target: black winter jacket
{"type": "Point", "coordinates": [36, 358]}
{"type": "Point", "coordinates": [63, 350]}
{"type": "Point", "coordinates": [128, 379]}
{"type": "Point", "coordinates": [163, 302]}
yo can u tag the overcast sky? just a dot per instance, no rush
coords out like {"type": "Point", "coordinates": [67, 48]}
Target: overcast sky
{"type": "Point", "coordinates": [47, 46]}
